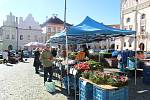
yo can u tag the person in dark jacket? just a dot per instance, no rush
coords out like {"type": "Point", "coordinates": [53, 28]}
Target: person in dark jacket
{"type": "Point", "coordinates": [37, 62]}
{"type": "Point", "coordinates": [21, 56]}
{"type": "Point", "coordinates": [85, 49]}
{"type": "Point", "coordinates": [54, 52]}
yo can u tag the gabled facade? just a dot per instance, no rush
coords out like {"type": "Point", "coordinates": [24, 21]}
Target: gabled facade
{"type": "Point", "coordinates": [52, 26]}
{"type": "Point", "coordinates": [27, 30]}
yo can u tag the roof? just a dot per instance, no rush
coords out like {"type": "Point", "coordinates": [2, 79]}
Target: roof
{"type": "Point", "coordinates": [55, 20]}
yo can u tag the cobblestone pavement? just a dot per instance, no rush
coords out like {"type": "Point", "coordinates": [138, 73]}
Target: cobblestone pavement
{"type": "Point", "coordinates": [19, 82]}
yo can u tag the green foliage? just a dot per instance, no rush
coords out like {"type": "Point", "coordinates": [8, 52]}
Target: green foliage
{"type": "Point", "coordinates": [72, 55]}
{"type": "Point", "coordinates": [113, 79]}
{"type": "Point", "coordinates": [95, 65]}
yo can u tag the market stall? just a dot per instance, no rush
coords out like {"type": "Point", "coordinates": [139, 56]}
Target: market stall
{"type": "Point", "coordinates": [85, 32]}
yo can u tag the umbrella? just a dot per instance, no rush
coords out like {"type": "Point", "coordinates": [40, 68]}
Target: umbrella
{"type": "Point", "coordinates": [34, 44]}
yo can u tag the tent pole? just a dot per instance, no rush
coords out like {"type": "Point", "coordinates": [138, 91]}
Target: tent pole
{"type": "Point", "coordinates": [66, 48]}
{"type": "Point", "coordinates": [136, 28]}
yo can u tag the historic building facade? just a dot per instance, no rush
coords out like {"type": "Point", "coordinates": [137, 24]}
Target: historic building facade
{"type": "Point", "coordinates": [135, 15]}
{"type": "Point", "coordinates": [52, 26]}
{"type": "Point", "coordinates": [17, 32]}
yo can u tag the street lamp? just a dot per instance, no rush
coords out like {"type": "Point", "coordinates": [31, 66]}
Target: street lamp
{"type": "Point", "coordinates": [17, 31]}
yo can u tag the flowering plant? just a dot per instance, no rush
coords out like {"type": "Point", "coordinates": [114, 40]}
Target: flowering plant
{"type": "Point", "coordinates": [82, 66]}
{"type": "Point", "coordinates": [117, 80]}
{"type": "Point", "coordinates": [113, 79]}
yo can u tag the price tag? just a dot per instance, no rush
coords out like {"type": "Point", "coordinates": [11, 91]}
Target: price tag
{"type": "Point", "coordinates": [71, 71]}
{"type": "Point", "coordinates": [74, 72]}
{"type": "Point", "coordinates": [84, 83]}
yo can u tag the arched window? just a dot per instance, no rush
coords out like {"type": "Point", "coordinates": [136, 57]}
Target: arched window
{"type": "Point", "coordinates": [128, 20]}
{"type": "Point", "coordinates": [21, 37]}
{"type": "Point", "coordinates": [30, 27]}
{"type": "Point", "coordinates": [143, 16]}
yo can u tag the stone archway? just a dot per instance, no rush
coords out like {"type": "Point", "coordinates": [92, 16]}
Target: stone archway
{"type": "Point", "coordinates": [142, 46]}
{"type": "Point", "coordinates": [10, 47]}
{"type": "Point", "coordinates": [112, 46]}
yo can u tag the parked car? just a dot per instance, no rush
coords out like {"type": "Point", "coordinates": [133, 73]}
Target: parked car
{"type": "Point", "coordinates": [12, 58]}
{"type": "Point", "coordinates": [1, 55]}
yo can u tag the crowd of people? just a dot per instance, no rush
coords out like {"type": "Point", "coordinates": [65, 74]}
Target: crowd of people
{"type": "Point", "coordinates": [46, 57]}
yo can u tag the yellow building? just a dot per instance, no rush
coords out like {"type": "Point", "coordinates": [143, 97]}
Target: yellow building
{"type": "Point", "coordinates": [52, 26]}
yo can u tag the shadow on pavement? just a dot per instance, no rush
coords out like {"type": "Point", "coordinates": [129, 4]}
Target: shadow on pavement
{"type": "Point", "coordinates": [40, 74]}
{"type": "Point", "coordinates": [26, 62]}
{"type": "Point", "coordinates": [9, 65]}
{"type": "Point", "coordinates": [64, 92]}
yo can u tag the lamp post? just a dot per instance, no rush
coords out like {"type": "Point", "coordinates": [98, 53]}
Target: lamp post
{"type": "Point", "coordinates": [17, 31]}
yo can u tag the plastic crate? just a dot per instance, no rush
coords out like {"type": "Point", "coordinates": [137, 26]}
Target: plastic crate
{"type": "Point", "coordinates": [146, 75]}
{"type": "Point", "coordinates": [114, 94]}
{"type": "Point", "coordinates": [71, 81]}
{"type": "Point", "coordinates": [85, 90]}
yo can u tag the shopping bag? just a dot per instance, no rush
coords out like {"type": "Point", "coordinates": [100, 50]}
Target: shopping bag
{"type": "Point", "coordinates": [50, 86]}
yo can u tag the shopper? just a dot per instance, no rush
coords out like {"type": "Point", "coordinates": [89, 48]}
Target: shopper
{"type": "Point", "coordinates": [5, 57]}
{"type": "Point", "coordinates": [21, 56]}
{"type": "Point", "coordinates": [47, 61]}
{"type": "Point", "coordinates": [85, 49]}
{"type": "Point", "coordinates": [37, 62]}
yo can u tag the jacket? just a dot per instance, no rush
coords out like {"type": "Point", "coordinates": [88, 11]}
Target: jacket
{"type": "Point", "coordinates": [47, 58]}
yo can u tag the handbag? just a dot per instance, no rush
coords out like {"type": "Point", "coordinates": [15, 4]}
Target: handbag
{"type": "Point", "coordinates": [50, 86]}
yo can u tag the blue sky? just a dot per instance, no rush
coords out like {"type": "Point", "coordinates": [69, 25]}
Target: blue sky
{"type": "Point", "coordinates": [106, 11]}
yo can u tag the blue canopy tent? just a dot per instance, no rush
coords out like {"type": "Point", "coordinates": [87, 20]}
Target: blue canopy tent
{"type": "Point", "coordinates": [88, 29]}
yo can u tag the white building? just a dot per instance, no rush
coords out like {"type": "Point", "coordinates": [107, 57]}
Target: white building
{"type": "Point", "coordinates": [135, 15]}
{"type": "Point", "coordinates": [27, 30]}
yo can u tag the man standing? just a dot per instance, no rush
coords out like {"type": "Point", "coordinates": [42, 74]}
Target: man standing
{"type": "Point", "coordinates": [37, 60]}
{"type": "Point", "coordinates": [47, 60]}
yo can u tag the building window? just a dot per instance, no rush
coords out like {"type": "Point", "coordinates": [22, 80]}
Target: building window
{"type": "Point", "coordinates": [131, 29]}
{"type": "Point", "coordinates": [36, 39]}
{"type": "Point", "coordinates": [142, 29]}
{"type": "Point", "coordinates": [30, 27]}
{"type": "Point", "coordinates": [7, 36]}
{"type": "Point", "coordinates": [130, 45]}
{"type": "Point", "coordinates": [143, 16]}
{"type": "Point", "coordinates": [54, 29]}
{"type": "Point", "coordinates": [58, 29]}
{"type": "Point", "coordinates": [28, 37]}
{"type": "Point", "coordinates": [13, 36]}
{"type": "Point", "coordinates": [128, 20]}
{"type": "Point", "coordinates": [124, 44]}
{"type": "Point", "coordinates": [21, 37]}
{"type": "Point", "coordinates": [42, 39]}
{"type": "Point", "coordinates": [49, 29]}
{"type": "Point", "coordinates": [117, 46]}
